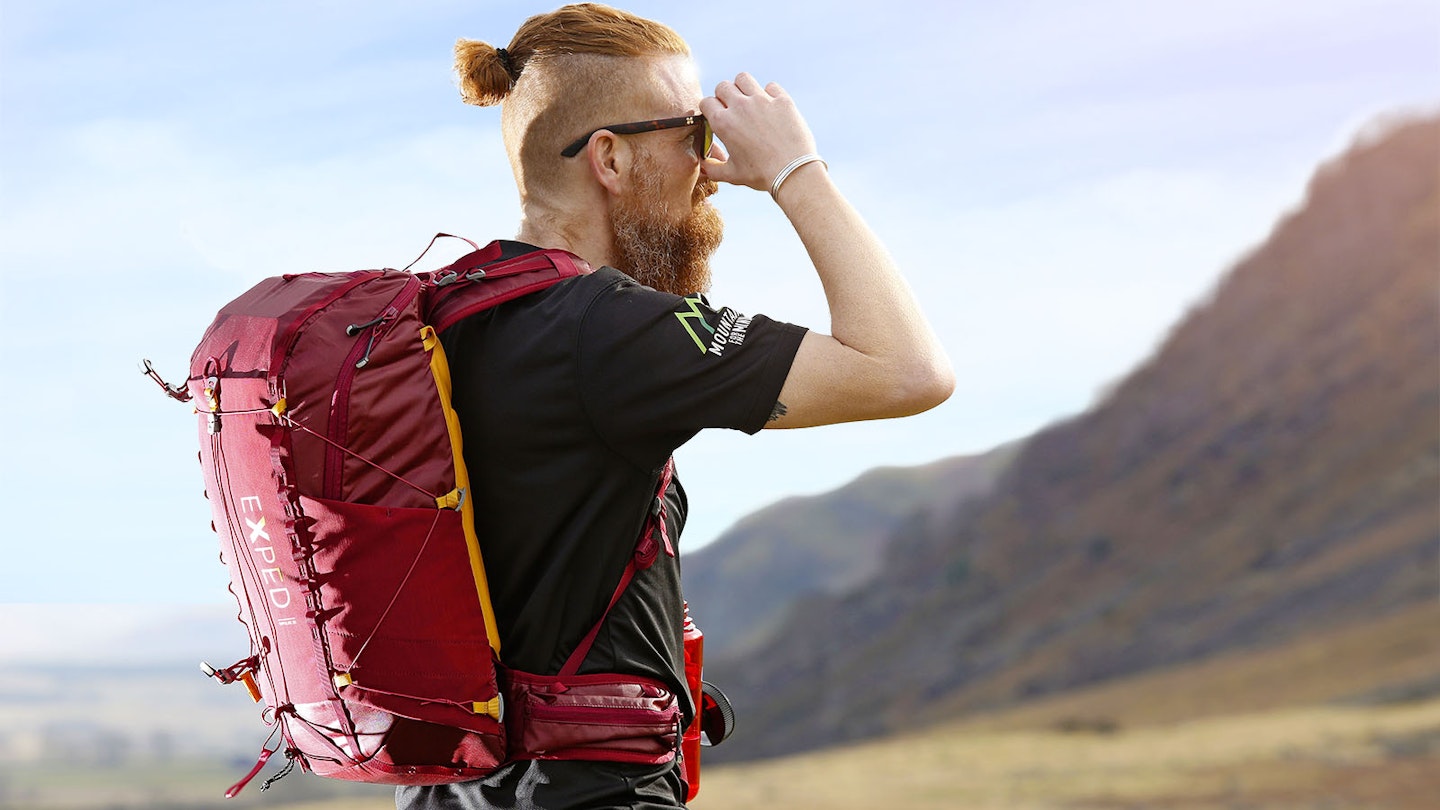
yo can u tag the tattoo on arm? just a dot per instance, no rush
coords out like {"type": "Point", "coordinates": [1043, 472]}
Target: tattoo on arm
{"type": "Point", "coordinates": [778, 411]}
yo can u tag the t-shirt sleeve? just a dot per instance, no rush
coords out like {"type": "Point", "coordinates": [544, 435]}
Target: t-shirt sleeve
{"type": "Point", "coordinates": [657, 368]}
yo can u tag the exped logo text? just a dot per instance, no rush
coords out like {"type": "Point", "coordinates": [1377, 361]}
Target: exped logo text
{"type": "Point", "coordinates": [263, 549]}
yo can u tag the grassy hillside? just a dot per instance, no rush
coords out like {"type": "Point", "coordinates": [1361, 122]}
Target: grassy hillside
{"type": "Point", "coordinates": [1328, 757]}
{"type": "Point", "coordinates": [1346, 719]}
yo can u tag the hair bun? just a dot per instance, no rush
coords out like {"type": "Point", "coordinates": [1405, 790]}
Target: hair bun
{"type": "Point", "coordinates": [486, 73]}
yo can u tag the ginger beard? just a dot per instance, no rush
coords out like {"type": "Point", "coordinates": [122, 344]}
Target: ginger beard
{"type": "Point", "coordinates": [655, 249]}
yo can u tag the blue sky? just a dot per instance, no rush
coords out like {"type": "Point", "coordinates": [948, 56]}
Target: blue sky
{"type": "Point", "coordinates": [1060, 182]}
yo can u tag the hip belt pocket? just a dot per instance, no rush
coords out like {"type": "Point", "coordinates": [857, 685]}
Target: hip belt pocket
{"type": "Point", "coordinates": [616, 718]}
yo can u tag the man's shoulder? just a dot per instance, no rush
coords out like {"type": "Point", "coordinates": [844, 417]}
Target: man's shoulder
{"type": "Point", "coordinates": [604, 300]}
{"type": "Point", "coordinates": [608, 292]}
{"type": "Point", "coordinates": [594, 294]}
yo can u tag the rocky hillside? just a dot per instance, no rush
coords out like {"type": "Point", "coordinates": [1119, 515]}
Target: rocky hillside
{"type": "Point", "coordinates": [1269, 473]}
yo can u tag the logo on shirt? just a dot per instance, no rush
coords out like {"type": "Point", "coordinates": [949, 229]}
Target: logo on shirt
{"type": "Point", "coordinates": [730, 332]}
{"type": "Point", "coordinates": [695, 315]}
{"type": "Point", "coordinates": [712, 340]}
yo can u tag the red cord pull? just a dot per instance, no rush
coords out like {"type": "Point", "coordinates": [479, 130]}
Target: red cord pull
{"type": "Point", "coordinates": [265, 754]}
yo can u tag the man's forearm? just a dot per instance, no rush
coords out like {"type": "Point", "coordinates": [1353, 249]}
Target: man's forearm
{"type": "Point", "coordinates": [872, 309]}
{"type": "Point", "coordinates": [881, 359]}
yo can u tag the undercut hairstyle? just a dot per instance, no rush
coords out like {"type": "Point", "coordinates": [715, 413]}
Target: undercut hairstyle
{"type": "Point", "coordinates": [563, 74]}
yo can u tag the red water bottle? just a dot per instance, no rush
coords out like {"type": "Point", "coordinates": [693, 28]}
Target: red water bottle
{"type": "Point", "coordinates": [690, 745]}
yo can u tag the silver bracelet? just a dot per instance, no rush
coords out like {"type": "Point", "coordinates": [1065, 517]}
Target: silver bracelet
{"type": "Point", "coordinates": [790, 169]}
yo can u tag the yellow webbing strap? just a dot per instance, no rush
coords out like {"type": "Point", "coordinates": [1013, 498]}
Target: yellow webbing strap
{"type": "Point", "coordinates": [441, 370]}
{"type": "Point", "coordinates": [495, 707]}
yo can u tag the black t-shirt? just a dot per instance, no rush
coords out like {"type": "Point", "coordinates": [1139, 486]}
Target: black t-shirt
{"type": "Point", "coordinates": [570, 402]}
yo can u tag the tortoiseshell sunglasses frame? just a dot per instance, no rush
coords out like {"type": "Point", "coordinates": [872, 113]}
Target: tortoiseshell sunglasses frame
{"type": "Point", "coordinates": [705, 142]}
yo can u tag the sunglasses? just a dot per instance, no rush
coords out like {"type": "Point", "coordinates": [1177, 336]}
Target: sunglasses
{"type": "Point", "coordinates": [704, 136]}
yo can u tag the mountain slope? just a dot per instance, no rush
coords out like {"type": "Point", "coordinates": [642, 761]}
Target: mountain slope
{"type": "Point", "coordinates": [741, 586]}
{"type": "Point", "coordinates": [1271, 471]}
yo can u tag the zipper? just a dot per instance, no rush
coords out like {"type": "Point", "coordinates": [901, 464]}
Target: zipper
{"type": "Point", "coordinates": [283, 342]}
{"type": "Point", "coordinates": [369, 333]}
{"type": "Point", "coordinates": [603, 716]}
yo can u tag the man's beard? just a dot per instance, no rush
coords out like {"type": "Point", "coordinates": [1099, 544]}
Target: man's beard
{"type": "Point", "coordinates": [655, 250]}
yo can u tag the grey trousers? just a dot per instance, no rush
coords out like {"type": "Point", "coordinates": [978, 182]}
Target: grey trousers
{"type": "Point", "coordinates": [546, 785]}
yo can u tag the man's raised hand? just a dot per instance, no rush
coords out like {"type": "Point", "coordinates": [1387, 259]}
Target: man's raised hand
{"type": "Point", "coordinates": [761, 128]}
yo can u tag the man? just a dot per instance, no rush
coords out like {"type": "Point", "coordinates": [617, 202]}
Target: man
{"type": "Point", "coordinates": [572, 400]}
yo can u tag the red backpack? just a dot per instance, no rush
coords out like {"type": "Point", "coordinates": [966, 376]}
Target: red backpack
{"type": "Point", "coordinates": [333, 464]}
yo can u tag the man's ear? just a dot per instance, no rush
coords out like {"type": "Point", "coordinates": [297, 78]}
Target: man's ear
{"type": "Point", "coordinates": [609, 159]}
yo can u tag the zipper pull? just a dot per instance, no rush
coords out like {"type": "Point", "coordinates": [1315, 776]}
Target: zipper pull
{"type": "Point", "coordinates": [378, 329]}
{"type": "Point", "coordinates": [356, 328]}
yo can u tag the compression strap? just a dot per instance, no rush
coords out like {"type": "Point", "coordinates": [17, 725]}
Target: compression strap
{"type": "Point", "coordinates": [645, 552]}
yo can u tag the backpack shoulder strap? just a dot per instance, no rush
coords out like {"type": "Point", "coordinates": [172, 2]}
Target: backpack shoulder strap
{"type": "Point", "coordinates": [479, 280]}
{"type": "Point", "coordinates": [646, 550]}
